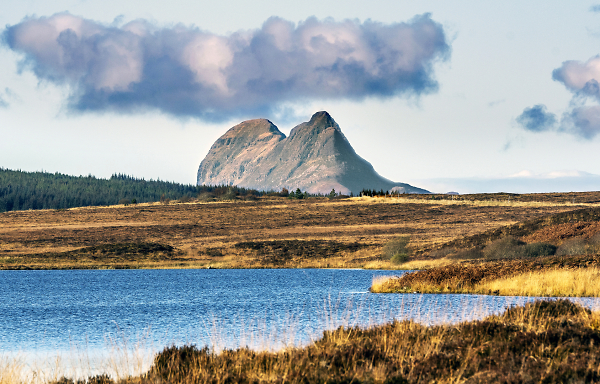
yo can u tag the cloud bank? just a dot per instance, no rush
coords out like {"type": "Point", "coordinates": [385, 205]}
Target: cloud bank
{"type": "Point", "coordinates": [185, 71]}
{"type": "Point", "coordinates": [582, 117]}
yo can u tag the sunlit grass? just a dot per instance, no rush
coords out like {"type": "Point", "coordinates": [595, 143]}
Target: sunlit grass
{"type": "Point", "coordinates": [584, 282]}
{"type": "Point", "coordinates": [475, 203]}
{"type": "Point", "coordinates": [393, 352]}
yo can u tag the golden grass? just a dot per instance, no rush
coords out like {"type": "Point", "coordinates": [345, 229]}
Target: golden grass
{"type": "Point", "coordinates": [11, 370]}
{"type": "Point", "coordinates": [544, 332]}
{"type": "Point", "coordinates": [383, 284]}
{"type": "Point", "coordinates": [474, 203]}
{"type": "Point", "coordinates": [390, 284]}
{"type": "Point", "coordinates": [122, 359]}
{"type": "Point", "coordinates": [412, 265]}
{"type": "Point", "coordinates": [424, 264]}
{"type": "Point", "coordinates": [33, 239]}
{"type": "Point", "coordinates": [583, 282]}
{"type": "Point", "coordinates": [532, 342]}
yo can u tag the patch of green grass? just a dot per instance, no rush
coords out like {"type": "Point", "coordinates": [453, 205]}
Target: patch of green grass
{"type": "Point", "coordinates": [397, 250]}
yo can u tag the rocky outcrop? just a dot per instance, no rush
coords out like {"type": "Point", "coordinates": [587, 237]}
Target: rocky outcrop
{"type": "Point", "coordinates": [316, 157]}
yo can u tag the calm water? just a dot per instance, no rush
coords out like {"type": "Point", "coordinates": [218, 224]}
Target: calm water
{"type": "Point", "coordinates": [55, 310]}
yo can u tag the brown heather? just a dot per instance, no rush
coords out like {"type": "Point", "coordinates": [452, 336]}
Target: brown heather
{"type": "Point", "coordinates": [268, 233]}
{"type": "Point", "coordinates": [526, 277]}
{"type": "Point", "coordinates": [541, 342]}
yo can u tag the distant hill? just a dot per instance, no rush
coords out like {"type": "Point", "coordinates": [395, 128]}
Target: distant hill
{"type": "Point", "coordinates": [42, 190]}
{"type": "Point", "coordinates": [316, 157]}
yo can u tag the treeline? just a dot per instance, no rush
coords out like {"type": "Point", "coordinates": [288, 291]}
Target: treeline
{"type": "Point", "coordinates": [42, 190]}
{"type": "Point", "coordinates": [375, 193]}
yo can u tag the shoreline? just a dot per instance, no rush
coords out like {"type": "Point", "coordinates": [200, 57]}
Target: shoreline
{"type": "Point", "coordinates": [104, 268]}
{"type": "Point", "coordinates": [547, 276]}
{"type": "Point", "coordinates": [393, 352]}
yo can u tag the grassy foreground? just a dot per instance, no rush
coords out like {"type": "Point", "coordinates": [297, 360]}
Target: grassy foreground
{"type": "Point", "coordinates": [545, 341]}
{"type": "Point", "coordinates": [553, 276]}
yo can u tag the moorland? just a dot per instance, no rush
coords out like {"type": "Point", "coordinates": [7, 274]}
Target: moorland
{"type": "Point", "coordinates": [459, 244]}
{"type": "Point", "coordinates": [278, 232]}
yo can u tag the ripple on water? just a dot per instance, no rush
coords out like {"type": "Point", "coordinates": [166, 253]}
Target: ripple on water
{"type": "Point", "coordinates": [50, 311]}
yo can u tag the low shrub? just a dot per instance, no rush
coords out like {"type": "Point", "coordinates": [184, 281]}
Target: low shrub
{"type": "Point", "coordinates": [229, 195]}
{"type": "Point", "coordinates": [504, 248]}
{"type": "Point", "coordinates": [571, 247]}
{"type": "Point", "coordinates": [440, 253]}
{"type": "Point", "coordinates": [595, 240]}
{"type": "Point", "coordinates": [205, 197]}
{"type": "Point", "coordinates": [468, 254]}
{"type": "Point", "coordinates": [185, 199]}
{"type": "Point", "coordinates": [399, 258]}
{"type": "Point", "coordinates": [396, 250]}
{"type": "Point", "coordinates": [511, 248]}
{"type": "Point", "coordinates": [538, 249]}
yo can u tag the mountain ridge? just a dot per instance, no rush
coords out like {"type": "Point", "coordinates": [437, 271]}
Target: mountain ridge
{"type": "Point", "coordinates": [316, 157]}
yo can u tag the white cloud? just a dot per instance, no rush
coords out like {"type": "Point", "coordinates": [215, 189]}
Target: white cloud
{"type": "Point", "coordinates": [186, 71]}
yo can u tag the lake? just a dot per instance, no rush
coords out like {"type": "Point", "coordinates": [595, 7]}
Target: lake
{"type": "Point", "coordinates": [94, 310]}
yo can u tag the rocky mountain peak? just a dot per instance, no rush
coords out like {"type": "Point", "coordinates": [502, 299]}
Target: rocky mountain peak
{"type": "Point", "coordinates": [253, 128]}
{"type": "Point", "coordinates": [316, 157]}
{"type": "Point", "coordinates": [322, 119]}
{"type": "Point", "coordinates": [318, 123]}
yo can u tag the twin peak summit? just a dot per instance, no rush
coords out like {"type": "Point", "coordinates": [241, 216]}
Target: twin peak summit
{"type": "Point", "coordinates": [316, 157]}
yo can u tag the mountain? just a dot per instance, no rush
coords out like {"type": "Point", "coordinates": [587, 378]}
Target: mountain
{"type": "Point", "coordinates": [316, 157]}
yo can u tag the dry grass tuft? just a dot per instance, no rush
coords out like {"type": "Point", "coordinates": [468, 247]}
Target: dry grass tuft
{"type": "Point", "coordinates": [11, 370]}
{"type": "Point", "coordinates": [554, 276]}
{"type": "Point", "coordinates": [584, 282]}
{"type": "Point", "coordinates": [547, 341]}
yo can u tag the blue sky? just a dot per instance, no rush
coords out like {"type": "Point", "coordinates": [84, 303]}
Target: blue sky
{"type": "Point", "coordinates": [465, 96]}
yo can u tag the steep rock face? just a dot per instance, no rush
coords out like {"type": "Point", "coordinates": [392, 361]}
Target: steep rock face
{"type": "Point", "coordinates": [234, 158]}
{"type": "Point", "coordinates": [316, 157]}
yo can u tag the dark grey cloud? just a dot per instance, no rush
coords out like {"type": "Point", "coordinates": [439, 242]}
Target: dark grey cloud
{"type": "Point", "coordinates": [185, 71]}
{"type": "Point", "coordinates": [536, 119]}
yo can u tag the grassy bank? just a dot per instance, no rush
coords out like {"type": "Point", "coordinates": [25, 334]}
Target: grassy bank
{"type": "Point", "coordinates": [546, 341]}
{"type": "Point", "coordinates": [557, 276]}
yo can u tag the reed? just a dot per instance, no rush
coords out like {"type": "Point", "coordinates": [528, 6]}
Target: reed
{"type": "Point", "coordinates": [544, 341]}
{"type": "Point", "coordinates": [11, 369]}
{"type": "Point", "coordinates": [547, 341]}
